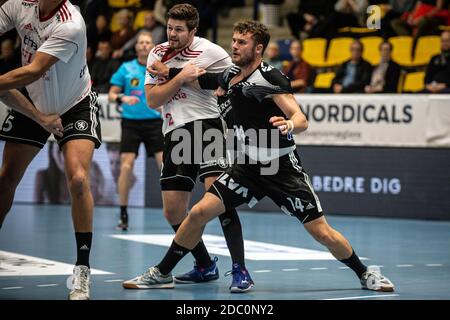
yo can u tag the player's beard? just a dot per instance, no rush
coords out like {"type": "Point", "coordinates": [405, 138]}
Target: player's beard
{"type": "Point", "coordinates": [244, 60]}
{"type": "Point", "coordinates": [177, 45]}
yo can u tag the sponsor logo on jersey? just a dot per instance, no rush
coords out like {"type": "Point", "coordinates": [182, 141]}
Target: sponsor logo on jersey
{"type": "Point", "coordinates": [134, 82]}
{"type": "Point", "coordinates": [28, 27]}
{"type": "Point", "coordinates": [81, 125]}
{"type": "Point", "coordinates": [227, 181]}
{"type": "Point", "coordinates": [29, 42]}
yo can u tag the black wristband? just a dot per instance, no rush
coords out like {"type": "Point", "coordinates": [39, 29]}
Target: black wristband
{"type": "Point", "coordinates": [173, 72]}
{"type": "Point", "coordinates": [119, 97]}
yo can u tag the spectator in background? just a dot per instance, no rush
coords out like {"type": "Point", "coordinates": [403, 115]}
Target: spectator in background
{"type": "Point", "coordinates": [90, 10]}
{"type": "Point", "coordinates": [394, 10]}
{"type": "Point", "coordinates": [103, 67]}
{"type": "Point", "coordinates": [425, 19]}
{"type": "Point", "coordinates": [353, 11]}
{"type": "Point", "coordinates": [386, 74]}
{"type": "Point", "coordinates": [298, 70]}
{"type": "Point", "coordinates": [99, 31]}
{"type": "Point", "coordinates": [310, 17]}
{"type": "Point", "coordinates": [9, 56]}
{"type": "Point", "coordinates": [125, 32]}
{"type": "Point", "coordinates": [273, 54]}
{"type": "Point", "coordinates": [353, 75]}
{"type": "Point", "coordinates": [156, 29]}
{"type": "Point", "coordinates": [437, 77]}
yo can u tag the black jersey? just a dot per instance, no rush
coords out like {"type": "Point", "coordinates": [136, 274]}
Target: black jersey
{"type": "Point", "coordinates": [248, 104]}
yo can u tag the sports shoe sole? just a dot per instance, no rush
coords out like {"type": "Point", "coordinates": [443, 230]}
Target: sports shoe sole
{"type": "Point", "coordinates": [191, 282]}
{"type": "Point", "coordinates": [143, 286]}
{"type": "Point", "coordinates": [239, 290]}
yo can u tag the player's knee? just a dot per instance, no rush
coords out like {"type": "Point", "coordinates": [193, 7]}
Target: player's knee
{"type": "Point", "coordinates": [126, 167]}
{"type": "Point", "coordinates": [325, 236]}
{"type": "Point", "coordinates": [78, 183]}
{"type": "Point", "coordinates": [198, 215]}
{"type": "Point", "coordinates": [174, 215]}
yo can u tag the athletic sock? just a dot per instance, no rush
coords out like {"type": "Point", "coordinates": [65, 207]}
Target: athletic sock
{"type": "Point", "coordinates": [232, 231]}
{"type": "Point", "coordinates": [355, 264]}
{"type": "Point", "coordinates": [84, 241]}
{"type": "Point", "coordinates": [200, 253]}
{"type": "Point", "coordinates": [172, 257]}
{"type": "Point", "coordinates": [123, 213]}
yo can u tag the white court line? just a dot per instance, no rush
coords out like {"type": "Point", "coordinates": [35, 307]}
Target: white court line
{"type": "Point", "coordinates": [344, 268]}
{"type": "Point", "coordinates": [262, 271]}
{"type": "Point", "coordinates": [294, 269]}
{"type": "Point", "coordinates": [11, 288]}
{"type": "Point", "coordinates": [115, 280]}
{"type": "Point", "coordinates": [47, 285]}
{"type": "Point", "coordinates": [434, 265]}
{"type": "Point", "coordinates": [318, 268]}
{"type": "Point", "coordinates": [364, 297]}
{"type": "Point", "coordinates": [404, 265]}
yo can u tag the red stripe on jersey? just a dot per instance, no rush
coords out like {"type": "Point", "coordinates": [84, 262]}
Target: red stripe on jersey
{"type": "Point", "coordinates": [192, 51]}
{"type": "Point", "coordinates": [51, 14]}
{"type": "Point", "coordinates": [168, 55]}
{"type": "Point", "coordinates": [161, 48]}
{"type": "Point", "coordinates": [189, 55]}
{"type": "Point", "coordinates": [63, 15]}
{"type": "Point", "coordinates": [68, 12]}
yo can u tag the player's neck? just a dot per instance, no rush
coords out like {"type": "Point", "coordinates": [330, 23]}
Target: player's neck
{"type": "Point", "coordinates": [248, 69]}
{"type": "Point", "coordinates": [186, 46]}
{"type": "Point", "coordinates": [46, 7]}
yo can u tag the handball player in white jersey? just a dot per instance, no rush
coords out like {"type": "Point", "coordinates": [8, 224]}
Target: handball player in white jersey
{"type": "Point", "coordinates": [57, 79]}
{"type": "Point", "coordinates": [186, 108]}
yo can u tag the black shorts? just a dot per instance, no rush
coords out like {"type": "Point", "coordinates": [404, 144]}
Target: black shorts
{"type": "Point", "coordinates": [181, 174]}
{"type": "Point", "coordinates": [147, 131]}
{"type": "Point", "coordinates": [290, 188]}
{"type": "Point", "coordinates": [79, 122]}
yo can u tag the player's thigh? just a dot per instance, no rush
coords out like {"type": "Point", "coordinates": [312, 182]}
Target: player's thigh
{"type": "Point", "coordinates": [16, 159]}
{"type": "Point", "coordinates": [175, 204]}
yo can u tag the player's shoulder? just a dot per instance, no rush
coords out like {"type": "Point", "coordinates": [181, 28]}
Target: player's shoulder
{"type": "Point", "coordinates": [160, 49]}
{"type": "Point", "coordinates": [273, 75]}
{"type": "Point", "coordinates": [202, 45]}
{"type": "Point", "coordinates": [19, 7]}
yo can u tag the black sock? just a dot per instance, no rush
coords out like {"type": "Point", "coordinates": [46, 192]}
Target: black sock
{"type": "Point", "coordinates": [201, 255]}
{"type": "Point", "coordinates": [123, 213]}
{"type": "Point", "coordinates": [172, 257]}
{"type": "Point", "coordinates": [232, 230]}
{"type": "Point", "coordinates": [84, 241]}
{"type": "Point", "coordinates": [355, 264]}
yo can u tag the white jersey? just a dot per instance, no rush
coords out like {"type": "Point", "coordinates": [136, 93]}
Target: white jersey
{"type": "Point", "coordinates": [189, 103]}
{"type": "Point", "coordinates": [63, 35]}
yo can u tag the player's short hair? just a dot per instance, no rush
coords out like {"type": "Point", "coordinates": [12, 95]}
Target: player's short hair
{"type": "Point", "coordinates": [260, 33]}
{"type": "Point", "coordinates": [185, 12]}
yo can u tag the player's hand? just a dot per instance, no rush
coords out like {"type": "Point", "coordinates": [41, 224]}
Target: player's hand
{"type": "Point", "coordinates": [191, 72]}
{"type": "Point", "coordinates": [285, 126]}
{"type": "Point", "coordinates": [130, 100]}
{"type": "Point", "coordinates": [219, 92]}
{"type": "Point", "coordinates": [158, 69]}
{"type": "Point", "coordinates": [51, 123]}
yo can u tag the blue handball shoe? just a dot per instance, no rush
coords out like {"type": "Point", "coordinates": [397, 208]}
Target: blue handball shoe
{"type": "Point", "coordinates": [242, 281]}
{"type": "Point", "coordinates": [198, 274]}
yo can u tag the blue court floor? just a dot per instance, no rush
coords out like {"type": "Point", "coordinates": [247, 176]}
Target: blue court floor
{"type": "Point", "coordinates": [37, 248]}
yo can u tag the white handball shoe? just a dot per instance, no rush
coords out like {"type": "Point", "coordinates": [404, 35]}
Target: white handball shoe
{"type": "Point", "coordinates": [372, 279]}
{"type": "Point", "coordinates": [80, 283]}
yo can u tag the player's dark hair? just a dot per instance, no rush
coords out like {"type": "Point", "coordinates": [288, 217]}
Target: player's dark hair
{"type": "Point", "coordinates": [185, 12]}
{"type": "Point", "coordinates": [260, 33]}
